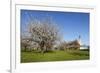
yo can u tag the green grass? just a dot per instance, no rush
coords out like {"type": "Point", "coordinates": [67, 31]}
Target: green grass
{"type": "Point", "coordinates": [27, 57]}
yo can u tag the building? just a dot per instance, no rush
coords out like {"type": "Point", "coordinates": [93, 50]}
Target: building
{"type": "Point", "coordinates": [73, 45]}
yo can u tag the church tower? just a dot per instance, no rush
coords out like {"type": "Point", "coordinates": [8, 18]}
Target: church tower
{"type": "Point", "coordinates": [79, 40]}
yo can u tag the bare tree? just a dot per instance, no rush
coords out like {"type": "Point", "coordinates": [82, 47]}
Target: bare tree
{"type": "Point", "coordinates": [44, 32]}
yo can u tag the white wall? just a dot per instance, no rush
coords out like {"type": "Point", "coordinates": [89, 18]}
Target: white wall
{"type": "Point", "coordinates": [5, 36]}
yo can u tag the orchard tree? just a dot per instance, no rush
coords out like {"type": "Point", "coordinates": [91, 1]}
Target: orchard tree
{"type": "Point", "coordinates": [25, 42]}
{"type": "Point", "coordinates": [44, 32]}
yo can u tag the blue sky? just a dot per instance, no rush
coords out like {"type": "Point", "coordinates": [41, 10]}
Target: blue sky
{"type": "Point", "coordinates": [72, 24]}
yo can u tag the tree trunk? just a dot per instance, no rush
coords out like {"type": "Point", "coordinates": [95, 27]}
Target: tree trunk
{"type": "Point", "coordinates": [25, 48]}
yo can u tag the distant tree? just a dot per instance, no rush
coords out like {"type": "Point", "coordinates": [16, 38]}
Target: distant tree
{"type": "Point", "coordinates": [62, 45]}
{"type": "Point", "coordinates": [25, 44]}
{"type": "Point", "coordinates": [25, 41]}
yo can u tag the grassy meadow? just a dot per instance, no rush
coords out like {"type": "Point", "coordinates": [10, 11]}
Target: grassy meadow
{"type": "Point", "coordinates": [57, 55]}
